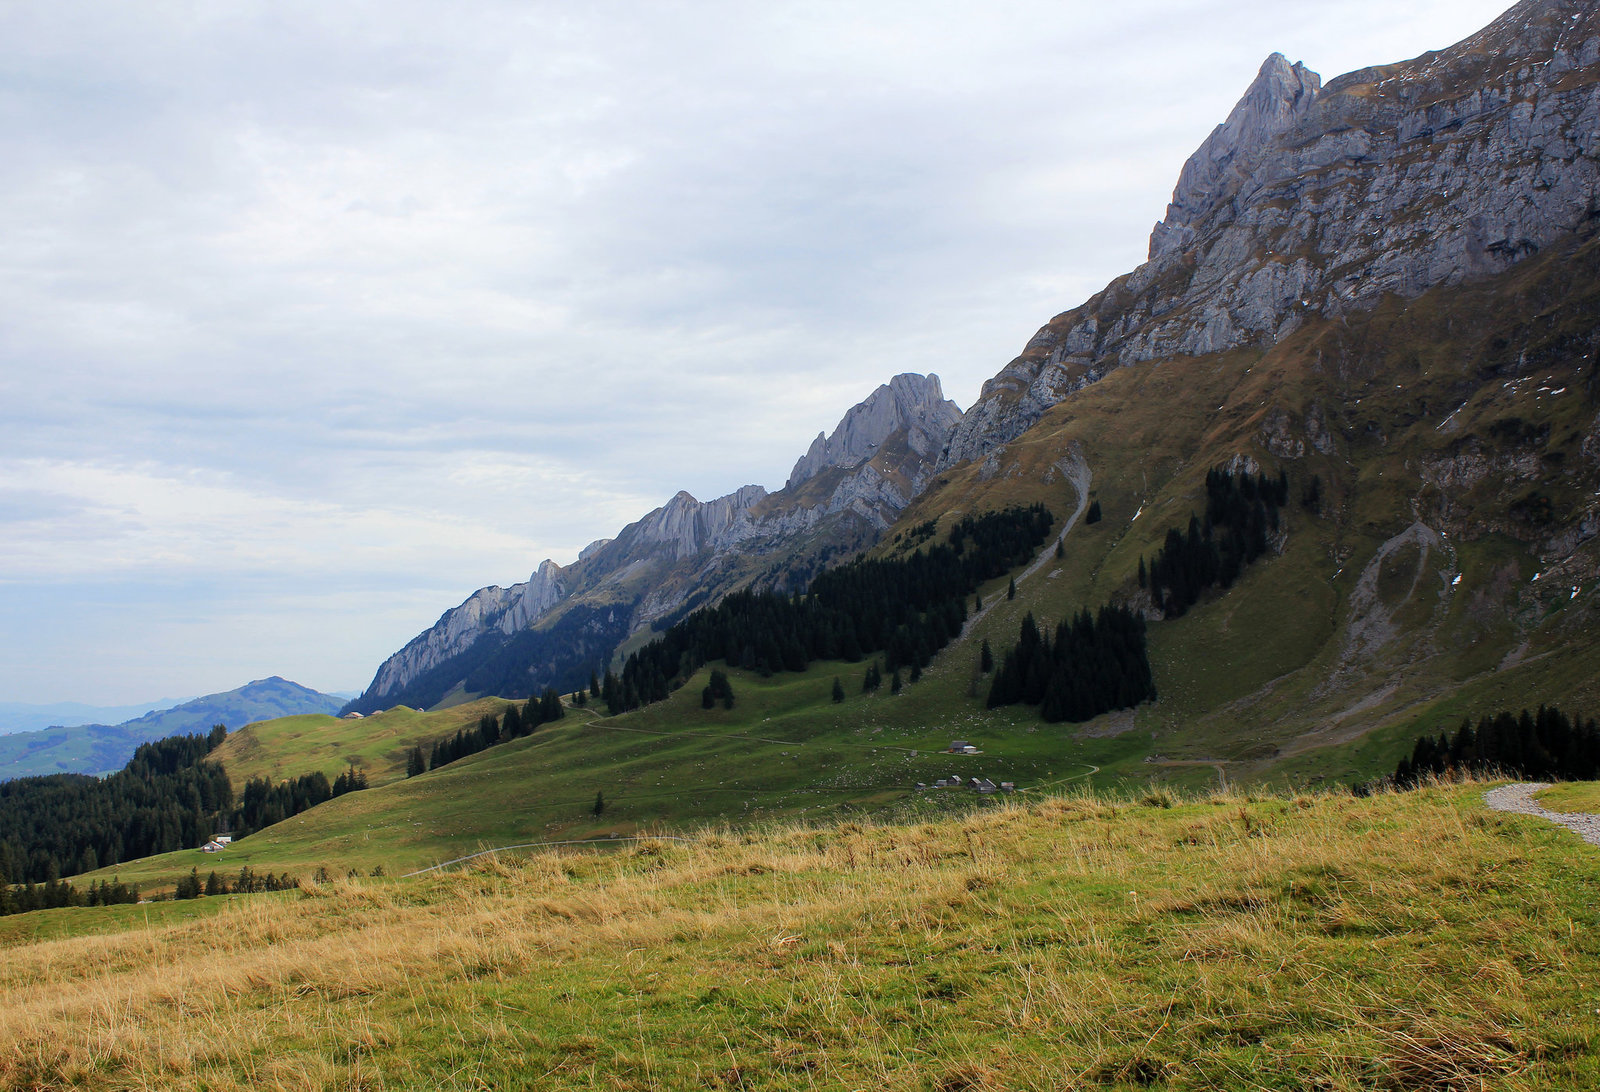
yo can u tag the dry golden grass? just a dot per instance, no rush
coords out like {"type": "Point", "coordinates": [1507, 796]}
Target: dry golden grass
{"type": "Point", "coordinates": [1401, 942]}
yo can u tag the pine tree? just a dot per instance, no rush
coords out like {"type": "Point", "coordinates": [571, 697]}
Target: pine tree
{"type": "Point", "coordinates": [599, 802]}
{"type": "Point", "coordinates": [1093, 515]}
{"type": "Point", "coordinates": [895, 682]}
{"type": "Point", "coordinates": [1011, 589]}
{"type": "Point", "coordinates": [985, 658]}
{"type": "Point", "coordinates": [594, 685]}
{"type": "Point", "coordinates": [838, 690]}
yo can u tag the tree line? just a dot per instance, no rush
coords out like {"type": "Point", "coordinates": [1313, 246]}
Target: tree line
{"type": "Point", "coordinates": [515, 722]}
{"type": "Point", "coordinates": [1544, 746]}
{"type": "Point", "coordinates": [22, 898]}
{"type": "Point", "coordinates": [1241, 516]}
{"type": "Point", "coordinates": [166, 797]}
{"type": "Point", "coordinates": [263, 803]}
{"type": "Point", "coordinates": [193, 887]}
{"type": "Point", "coordinates": [1094, 664]}
{"type": "Point", "coordinates": [909, 607]}
{"type": "Point", "coordinates": [169, 796]}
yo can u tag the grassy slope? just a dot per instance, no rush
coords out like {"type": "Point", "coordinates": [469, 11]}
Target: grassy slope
{"type": "Point", "coordinates": [1259, 684]}
{"type": "Point", "coordinates": [1573, 796]}
{"type": "Point", "coordinates": [786, 750]}
{"type": "Point", "coordinates": [290, 746]}
{"type": "Point", "coordinates": [1263, 678]}
{"type": "Point", "coordinates": [1401, 942]}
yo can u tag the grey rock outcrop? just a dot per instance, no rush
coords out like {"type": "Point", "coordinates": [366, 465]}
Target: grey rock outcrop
{"type": "Point", "coordinates": [487, 610]}
{"type": "Point", "coordinates": [1316, 200]}
{"type": "Point", "coordinates": [848, 488]}
{"type": "Point", "coordinates": [914, 404]}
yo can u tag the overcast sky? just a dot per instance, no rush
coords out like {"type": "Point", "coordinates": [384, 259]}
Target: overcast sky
{"type": "Point", "coordinates": [316, 317]}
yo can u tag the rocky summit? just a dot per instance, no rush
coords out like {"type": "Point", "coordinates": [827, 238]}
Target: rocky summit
{"type": "Point", "coordinates": [1319, 200]}
{"type": "Point", "coordinates": [560, 624]}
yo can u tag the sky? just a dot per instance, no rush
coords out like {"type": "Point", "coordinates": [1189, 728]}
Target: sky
{"type": "Point", "coordinates": [316, 317]}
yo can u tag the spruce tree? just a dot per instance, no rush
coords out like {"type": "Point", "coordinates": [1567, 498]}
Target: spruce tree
{"type": "Point", "coordinates": [895, 682]}
{"type": "Point", "coordinates": [599, 802]}
{"type": "Point", "coordinates": [838, 690]}
{"type": "Point", "coordinates": [1011, 589]}
{"type": "Point", "coordinates": [985, 658]}
{"type": "Point", "coordinates": [415, 763]}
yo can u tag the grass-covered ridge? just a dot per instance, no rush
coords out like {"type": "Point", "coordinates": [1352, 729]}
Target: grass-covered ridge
{"type": "Point", "coordinates": [1403, 941]}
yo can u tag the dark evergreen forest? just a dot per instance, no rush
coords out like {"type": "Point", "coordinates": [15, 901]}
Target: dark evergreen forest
{"type": "Point", "coordinates": [1094, 664]}
{"type": "Point", "coordinates": [262, 803]}
{"type": "Point", "coordinates": [908, 607]}
{"type": "Point", "coordinates": [491, 730]}
{"type": "Point", "coordinates": [167, 797]}
{"type": "Point", "coordinates": [1241, 516]}
{"type": "Point", "coordinates": [1544, 746]}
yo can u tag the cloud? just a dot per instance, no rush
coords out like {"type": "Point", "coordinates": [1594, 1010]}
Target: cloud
{"type": "Point", "coordinates": [404, 298]}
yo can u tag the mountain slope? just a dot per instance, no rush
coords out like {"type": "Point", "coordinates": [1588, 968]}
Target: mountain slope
{"type": "Point", "coordinates": [1439, 558]}
{"type": "Point", "coordinates": [97, 748]}
{"type": "Point", "coordinates": [565, 622]}
{"type": "Point", "coordinates": [1319, 201]}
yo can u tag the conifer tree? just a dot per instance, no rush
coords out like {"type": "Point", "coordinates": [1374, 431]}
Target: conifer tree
{"type": "Point", "coordinates": [415, 763]}
{"type": "Point", "coordinates": [599, 802]}
{"type": "Point", "coordinates": [895, 682]}
{"type": "Point", "coordinates": [985, 658]}
{"type": "Point", "coordinates": [1011, 589]}
{"type": "Point", "coordinates": [838, 690]}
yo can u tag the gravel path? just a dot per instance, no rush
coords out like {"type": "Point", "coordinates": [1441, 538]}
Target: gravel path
{"type": "Point", "coordinates": [1519, 799]}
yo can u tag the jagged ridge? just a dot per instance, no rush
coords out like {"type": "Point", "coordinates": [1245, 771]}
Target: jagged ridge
{"type": "Point", "coordinates": [849, 487]}
{"type": "Point", "coordinates": [1321, 200]}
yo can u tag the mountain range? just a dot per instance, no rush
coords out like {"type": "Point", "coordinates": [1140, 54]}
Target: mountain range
{"type": "Point", "coordinates": [100, 748]}
{"type": "Point", "coordinates": [1385, 289]}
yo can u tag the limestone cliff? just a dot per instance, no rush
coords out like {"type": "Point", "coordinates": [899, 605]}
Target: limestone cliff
{"type": "Point", "coordinates": [914, 404]}
{"type": "Point", "coordinates": [849, 487]}
{"type": "Point", "coordinates": [1321, 200]}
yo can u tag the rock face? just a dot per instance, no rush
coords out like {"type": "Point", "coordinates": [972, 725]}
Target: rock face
{"type": "Point", "coordinates": [914, 404]}
{"type": "Point", "coordinates": [487, 610]}
{"type": "Point", "coordinates": [849, 487]}
{"type": "Point", "coordinates": [1320, 200]}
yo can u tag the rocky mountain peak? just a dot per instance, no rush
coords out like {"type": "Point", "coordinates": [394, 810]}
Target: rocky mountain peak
{"type": "Point", "coordinates": [1317, 201]}
{"type": "Point", "coordinates": [1281, 95]}
{"type": "Point", "coordinates": [909, 402]}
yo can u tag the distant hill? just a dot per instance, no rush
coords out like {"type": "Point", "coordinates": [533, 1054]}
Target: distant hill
{"type": "Point", "coordinates": [98, 748]}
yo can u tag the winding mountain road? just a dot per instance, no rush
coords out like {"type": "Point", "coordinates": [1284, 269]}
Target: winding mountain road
{"type": "Point", "coordinates": [1078, 473]}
